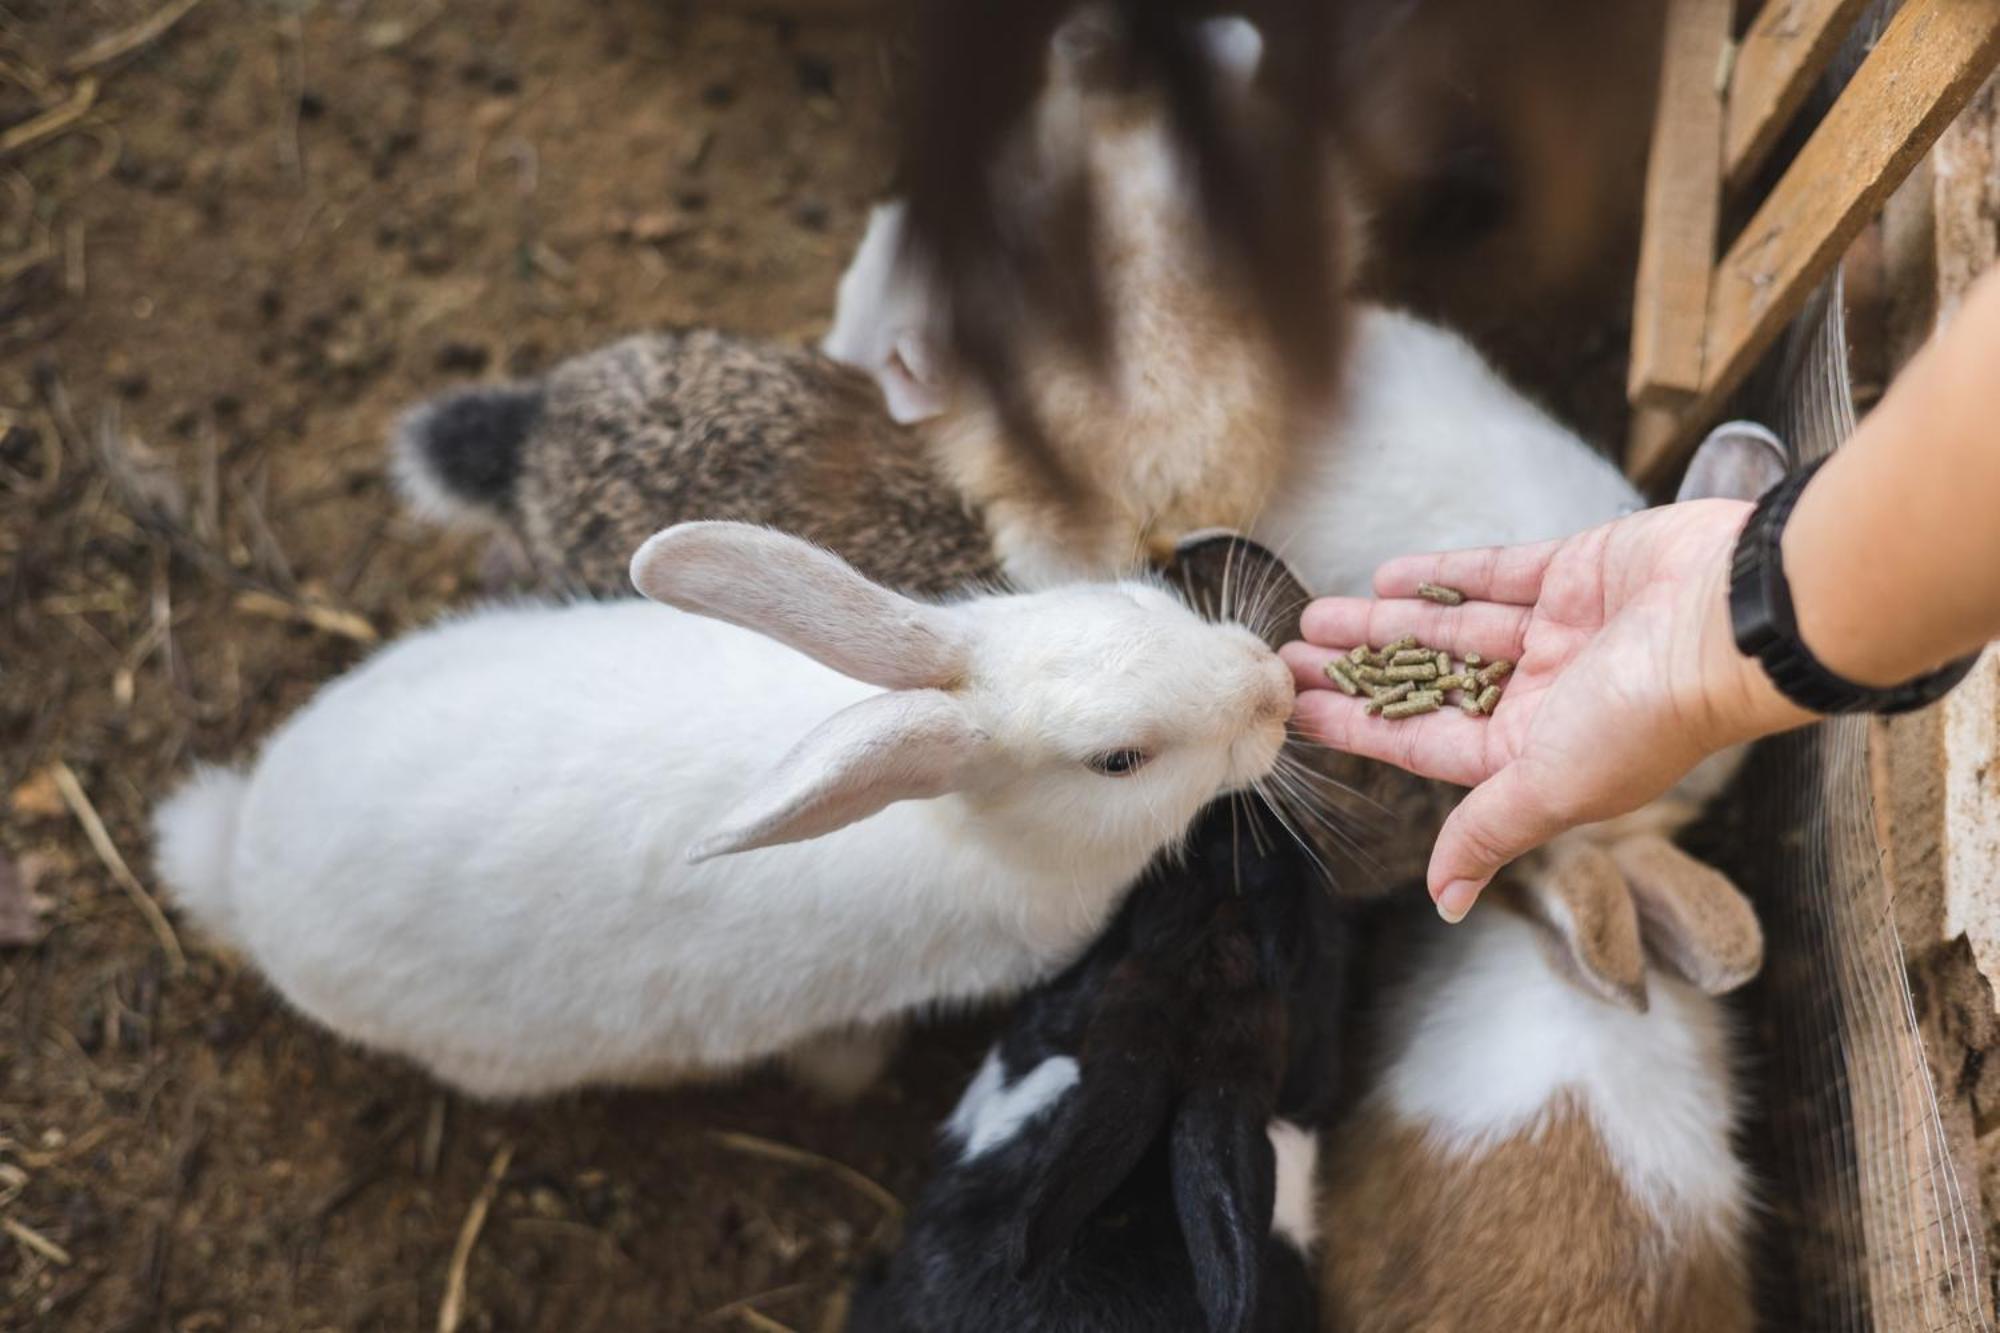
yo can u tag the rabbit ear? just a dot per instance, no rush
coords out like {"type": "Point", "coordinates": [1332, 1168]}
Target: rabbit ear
{"type": "Point", "coordinates": [1577, 893]}
{"type": "Point", "coordinates": [1103, 1131]}
{"type": "Point", "coordinates": [1089, 48]}
{"type": "Point", "coordinates": [912, 383]}
{"type": "Point", "coordinates": [1224, 575]}
{"type": "Point", "coordinates": [1233, 45]}
{"type": "Point", "coordinates": [803, 596]}
{"type": "Point", "coordinates": [899, 746]}
{"type": "Point", "coordinates": [1694, 918]}
{"type": "Point", "coordinates": [1739, 460]}
{"type": "Point", "coordinates": [1225, 1177]}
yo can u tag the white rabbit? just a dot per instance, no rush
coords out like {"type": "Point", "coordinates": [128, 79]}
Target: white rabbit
{"type": "Point", "coordinates": [1429, 450]}
{"type": "Point", "coordinates": [1549, 1142]}
{"type": "Point", "coordinates": [490, 848]}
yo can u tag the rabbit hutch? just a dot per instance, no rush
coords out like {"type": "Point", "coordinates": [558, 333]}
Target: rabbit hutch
{"type": "Point", "coordinates": [354, 202]}
{"type": "Point", "coordinates": [1823, 186]}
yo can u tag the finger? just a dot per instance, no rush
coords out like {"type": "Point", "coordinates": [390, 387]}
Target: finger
{"type": "Point", "coordinates": [1448, 745]}
{"type": "Point", "coordinates": [1501, 819]}
{"type": "Point", "coordinates": [1489, 573]}
{"type": "Point", "coordinates": [1308, 663]}
{"type": "Point", "coordinates": [1477, 627]}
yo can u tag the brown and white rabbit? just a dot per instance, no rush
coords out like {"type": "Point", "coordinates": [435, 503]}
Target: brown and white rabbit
{"type": "Point", "coordinates": [1187, 423]}
{"type": "Point", "coordinates": [1548, 1142]}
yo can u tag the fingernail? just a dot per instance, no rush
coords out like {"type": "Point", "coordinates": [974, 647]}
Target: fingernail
{"type": "Point", "coordinates": [1457, 900]}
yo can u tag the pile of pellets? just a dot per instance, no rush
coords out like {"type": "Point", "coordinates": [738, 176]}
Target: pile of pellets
{"type": "Point", "coordinates": [1407, 679]}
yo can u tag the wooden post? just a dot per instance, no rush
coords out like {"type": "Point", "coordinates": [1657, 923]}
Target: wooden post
{"type": "Point", "coordinates": [1683, 200]}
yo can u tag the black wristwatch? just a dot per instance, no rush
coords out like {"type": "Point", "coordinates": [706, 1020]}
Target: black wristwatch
{"type": "Point", "coordinates": [1767, 628]}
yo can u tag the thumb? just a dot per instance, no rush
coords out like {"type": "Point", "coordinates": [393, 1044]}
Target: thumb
{"type": "Point", "coordinates": [1502, 818]}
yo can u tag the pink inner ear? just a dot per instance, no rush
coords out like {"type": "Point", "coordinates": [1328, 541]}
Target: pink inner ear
{"type": "Point", "coordinates": [908, 382]}
{"type": "Point", "coordinates": [804, 597]}
{"type": "Point", "coordinates": [900, 746]}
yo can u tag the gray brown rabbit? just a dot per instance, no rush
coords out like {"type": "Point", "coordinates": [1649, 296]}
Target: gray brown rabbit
{"type": "Point", "coordinates": [587, 462]}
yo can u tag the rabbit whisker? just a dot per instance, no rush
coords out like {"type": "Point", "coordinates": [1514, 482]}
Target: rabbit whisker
{"type": "Point", "coordinates": [1376, 813]}
{"type": "Point", "coordinates": [1290, 795]}
{"type": "Point", "coordinates": [1276, 805]}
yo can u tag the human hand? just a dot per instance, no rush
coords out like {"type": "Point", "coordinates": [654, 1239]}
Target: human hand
{"type": "Point", "coordinates": [1626, 676]}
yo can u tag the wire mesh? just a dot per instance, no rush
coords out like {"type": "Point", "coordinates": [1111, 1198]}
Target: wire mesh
{"type": "Point", "coordinates": [1867, 1224]}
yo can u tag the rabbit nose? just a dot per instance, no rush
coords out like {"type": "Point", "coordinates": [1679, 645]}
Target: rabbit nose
{"type": "Point", "coordinates": [1274, 691]}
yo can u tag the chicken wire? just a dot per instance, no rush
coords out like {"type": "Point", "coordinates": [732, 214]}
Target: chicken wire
{"type": "Point", "coordinates": [1865, 1222]}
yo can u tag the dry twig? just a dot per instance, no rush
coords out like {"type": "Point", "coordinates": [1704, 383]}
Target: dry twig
{"type": "Point", "coordinates": [753, 1146]}
{"type": "Point", "coordinates": [53, 121]}
{"type": "Point", "coordinates": [34, 1240]}
{"type": "Point", "coordinates": [453, 1307]}
{"type": "Point", "coordinates": [107, 851]}
{"type": "Point", "coordinates": [748, 1303]}
{"type": "Point", "coordinates": [326, 619]}
{"type": "Point", "coordinates": [25, 75]}
{"type": "Point", "coordinates": [834, 1317]}
{"type": "Point", "coordinates": [124, 42]}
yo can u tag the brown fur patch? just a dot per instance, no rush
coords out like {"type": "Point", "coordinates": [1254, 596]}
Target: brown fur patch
{"type": "Point", "coordinates": [1537, 1234]}
{"type": "Point", "coordinates": [1187, 422]}
{"type": "Point", "coordinates": [667, 427]}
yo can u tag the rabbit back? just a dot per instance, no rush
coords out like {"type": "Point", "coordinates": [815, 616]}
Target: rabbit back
{"type": "Point", "coordinates": [495, 885]}
{"type": "Point", "coordinates": [1430, 450]}
{"type": "Point", "coordinates": [700, 424]}
{"type": "Point", "coordinates": [1534, 1156]}
{"type": "Point", "coordinates": [1540, 1232]}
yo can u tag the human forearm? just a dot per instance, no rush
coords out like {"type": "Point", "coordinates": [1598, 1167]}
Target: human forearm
{"type": "Point", "coordinates": [1893, 553]}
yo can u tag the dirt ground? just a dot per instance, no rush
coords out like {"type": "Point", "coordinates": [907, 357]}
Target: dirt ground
{"type": "Point", "coordinates": [230, 251]}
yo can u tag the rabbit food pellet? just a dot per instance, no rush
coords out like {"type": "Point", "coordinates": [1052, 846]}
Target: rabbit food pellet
{"type": "Point", "coordinates": [1437, 592]}
{"type": "Point", "coordinates": [1405, 679]}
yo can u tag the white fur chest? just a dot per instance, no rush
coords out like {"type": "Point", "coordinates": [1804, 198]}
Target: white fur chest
{"type": "Point", "coordinates": [1487, 1037]}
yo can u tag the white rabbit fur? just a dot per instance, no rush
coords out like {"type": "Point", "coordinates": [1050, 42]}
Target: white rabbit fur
{"type": "Point", "coordinates": [1487, 1035]}
{"type": "Point", "coordinates": [1430, 450]}
{"type": "Point", "coordinates": [473, 850]}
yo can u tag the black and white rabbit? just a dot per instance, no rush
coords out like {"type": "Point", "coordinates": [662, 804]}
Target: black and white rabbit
{"type": "Point", "coordinates": [1138, 1149]}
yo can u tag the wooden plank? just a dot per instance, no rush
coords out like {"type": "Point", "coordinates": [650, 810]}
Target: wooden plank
{"type": "Point", "coordinates": [1930, 60]}
{"type": "Point", "coordinates": [1789, 45]}
{"type": "Point", "coordinates": [1683, 199]}
{"type": "Point", "coordinates": [1651, 432]}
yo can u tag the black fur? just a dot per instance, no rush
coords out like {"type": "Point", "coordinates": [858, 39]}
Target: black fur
{"type": "Point", "coordinates": [1142, 1198]}
{"type": "Point", "coordinates": [469, 442]}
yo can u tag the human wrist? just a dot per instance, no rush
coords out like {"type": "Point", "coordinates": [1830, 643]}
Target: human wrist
{"type": "Point", "coordinates": [1829, 588]}
{"type": "Point", "coordinates": [1739, 702]}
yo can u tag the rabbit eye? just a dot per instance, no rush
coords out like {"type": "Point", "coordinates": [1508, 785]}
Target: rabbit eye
{"type": "Point", "coordinates": [1118, 763]}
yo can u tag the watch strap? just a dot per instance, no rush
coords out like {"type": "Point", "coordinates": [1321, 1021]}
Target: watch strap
{"type": "Point", "coordinates": [1766, 627]}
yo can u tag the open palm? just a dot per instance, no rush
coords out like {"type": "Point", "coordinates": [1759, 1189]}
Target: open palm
{"type": "Point", "coordinates": [1623, 677]}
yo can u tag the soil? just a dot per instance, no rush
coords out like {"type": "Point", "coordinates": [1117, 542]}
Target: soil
{"type": "Point", "coordinates": [273, 225]}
